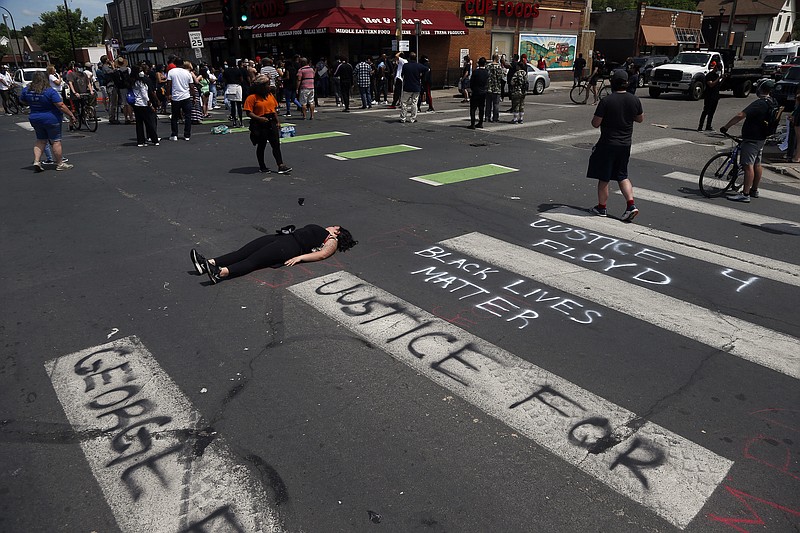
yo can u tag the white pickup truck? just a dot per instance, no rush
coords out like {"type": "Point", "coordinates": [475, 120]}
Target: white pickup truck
{"type": "Point", "coordinates": [686, 73]}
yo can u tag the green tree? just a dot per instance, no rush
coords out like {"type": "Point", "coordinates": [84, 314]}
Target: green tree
{"type": "Point", "coordinates": [53, 34]}
{"type": "Point", "coordinates": [796, 29]}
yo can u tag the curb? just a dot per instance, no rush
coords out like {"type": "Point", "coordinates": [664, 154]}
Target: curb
{"type": "Point", "coordinates": [787, 169]}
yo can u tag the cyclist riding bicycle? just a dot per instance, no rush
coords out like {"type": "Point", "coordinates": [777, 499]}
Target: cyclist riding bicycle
{"type": "Point", "coordinates": [80, 84]}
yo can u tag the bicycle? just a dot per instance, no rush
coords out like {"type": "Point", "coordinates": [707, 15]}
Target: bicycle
{"type": "Point", "coordinates": [580, 93]}
{"type": "Point", "coordinates": [723, 172]}
{"type": "Point", "coordinates": [13, 104]}
{"type": "Point", "coordinates": [88, 114]}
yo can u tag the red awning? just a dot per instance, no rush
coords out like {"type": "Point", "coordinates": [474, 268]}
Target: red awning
{"type": "Point", "coordinates": [213, 31]}
{"type": "Point", "coordinates": [357, 22]}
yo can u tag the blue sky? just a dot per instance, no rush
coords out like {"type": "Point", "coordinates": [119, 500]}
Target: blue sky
{"type": "Point", "coordinates": [26, 12]}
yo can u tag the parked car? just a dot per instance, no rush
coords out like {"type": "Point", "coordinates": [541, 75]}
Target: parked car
{"type": "Point", "coordinates": [24, 76]}
{"type": "Point", "coordinates": [646, 64]}
{"type": "Point", "coordinates": [538, 80]}
{"type": "Point", "coordinates": [793, 62]}
{"type": "Point", "coordinates": [785, 89]}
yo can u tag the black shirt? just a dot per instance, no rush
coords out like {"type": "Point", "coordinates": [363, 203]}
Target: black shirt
{"type": "Point", "coordinates": [579, 65]}
{"type": "Point", "coordinates": [232, 76]}
{"type": "Point", "coordinates": [479, 82]}
{"type": "Point", "coordinates": [756, 125]}
{"type": "Point", "coordinates": [412, 76]}
{"type": "Point", "coordinates": [310, 236]}
{"type": "Point", "coordinates": [345, 72]}
{"type": "Point", "coordinates": [618, 110]}
{"type": "Point", "coordinates": [712, 92]}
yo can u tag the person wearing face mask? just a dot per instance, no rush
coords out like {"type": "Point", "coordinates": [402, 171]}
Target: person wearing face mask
{"type": "Point", "coordinates": [144, 109]}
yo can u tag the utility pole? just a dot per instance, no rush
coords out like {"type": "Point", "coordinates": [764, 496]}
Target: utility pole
{"type": "Point", "coordinates": [16, 63]}
{"type": "Point", "coordinates": [398, 15]}
{"type": "Point", "coordinates": [71, 37]}
{"type": "Point", "coordinates": [728, 44]}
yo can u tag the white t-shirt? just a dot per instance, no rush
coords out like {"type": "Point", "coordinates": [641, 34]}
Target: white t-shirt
{"type": "Point", "coordinates": [53, 84]}
{"type": "Point", "coordinates": [140, 90]}
{"type": "Point", "coordinates": [181, 79]}
{"type": "Point", "coordinates": [399, 74]}
{"type": "Point", "coordinates": [5, 81]}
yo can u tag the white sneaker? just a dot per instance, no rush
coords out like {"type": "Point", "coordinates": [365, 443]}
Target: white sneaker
{"type": "Point", "coordinates": [173, 138]}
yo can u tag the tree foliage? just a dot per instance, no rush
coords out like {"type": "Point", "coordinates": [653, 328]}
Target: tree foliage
{"type": "Point", "coordinates": [621, 5]}
{"type": "Point", "coordinates": [52, 34]}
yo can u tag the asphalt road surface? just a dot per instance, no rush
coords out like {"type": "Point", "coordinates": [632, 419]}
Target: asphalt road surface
{"type": "Point", "coordinates": [488, 358]}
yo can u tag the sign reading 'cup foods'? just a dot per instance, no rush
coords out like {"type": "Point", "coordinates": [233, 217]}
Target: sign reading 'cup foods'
{"type": "Point", "coordinates": [502, 8]}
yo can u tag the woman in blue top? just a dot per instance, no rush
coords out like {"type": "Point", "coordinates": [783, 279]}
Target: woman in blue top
{"type": "Point", "coordinates": [46, 114]}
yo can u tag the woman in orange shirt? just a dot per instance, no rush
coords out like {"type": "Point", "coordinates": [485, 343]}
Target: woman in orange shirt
{"type": "Point", "coordinates": [262, 108]}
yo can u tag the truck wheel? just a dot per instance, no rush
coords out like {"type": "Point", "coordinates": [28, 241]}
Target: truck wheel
{"type": "Point", "coordinates": [743, 90]}
{"type": "Point", "coordinates": [655, 92]}
{"type": "Point", "coordinates": [695, 91]}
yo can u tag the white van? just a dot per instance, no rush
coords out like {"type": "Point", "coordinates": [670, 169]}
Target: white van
{"type": "Point", "coordinates": [774, 55]}
{"type": "Point", "coordinates": [24, 76]}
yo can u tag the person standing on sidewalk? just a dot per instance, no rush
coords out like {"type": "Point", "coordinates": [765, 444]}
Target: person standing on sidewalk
{"type": "Point", "coordinates": [494, 89]}
{"type": "Point", "coordinates": [345, 73]}
{"type": "Point", "coordinates": [412, 75]}
{"type": "Point", "coordinates": [398, 80]}
{"type": "Point", "coordinates": [710, 96]}
{"type": "Point", "coordinates": [363, 73]}
{"type": "Point", "coordinates": [615, 115]}
{"type": "Point", "coordinates": [305, 88]}
{"type": "Point", "coordinates": [577, 70]}
{"type": "Point", "coordinates": [477, 99]}
{"type": "Point", "coordinates": [755, 131]}
{"type": "Point", "coordinates": [179, 81]}
{"type": "Point", "coordinates": [518, 89]}
{"type": "Point", "coordinates": [427, 80]}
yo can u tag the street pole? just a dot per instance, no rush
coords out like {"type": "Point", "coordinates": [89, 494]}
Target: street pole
{"type": "Point", "coordinates": [69, 27]}
{"type": "Point", "coordinates": [398, 15]}
{"type": "Point", "coordinates": [16, 63]}
{"type": "Point", "coordinates": [728, 43]}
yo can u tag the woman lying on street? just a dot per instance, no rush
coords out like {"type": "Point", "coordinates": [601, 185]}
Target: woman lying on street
{"type": "Point", "coordinates": [305, 245]}
{"type": "Point", "coordinates": [265, 127]}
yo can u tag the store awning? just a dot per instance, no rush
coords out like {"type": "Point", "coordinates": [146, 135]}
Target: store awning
{"type": "Point", "coordinates": [659, 36]}
{"type": "Point", "coordinates": [213, 31]}
{"type": "Point", "coordinates": [147, 46]}
{"type": "Point", "coordinates": [357, 22]}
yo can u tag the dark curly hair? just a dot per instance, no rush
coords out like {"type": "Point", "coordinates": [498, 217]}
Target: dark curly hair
{"type": "Point", "coordinates": [345, 240]}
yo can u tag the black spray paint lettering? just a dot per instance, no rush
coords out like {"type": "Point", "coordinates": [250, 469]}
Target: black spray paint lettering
{"type": "Point", "coordinates": [603, 441]}
{"type": "Point", "coordinates": [645, 274]}
{"type": "Point", "coordinates": [744, 283]}
{"type": "Point", "coordinates": [437, 253]}
{"type": "Point", "coordinates": [562, 304]}
{"type": "Point", "coordinates": [116, 402]}
{"type": "Point", "coordinates": [222, 519]}
{"type": "Point", "coordinates": [445, 279]}
{"type": "Point", "coordinates": [602, 241]}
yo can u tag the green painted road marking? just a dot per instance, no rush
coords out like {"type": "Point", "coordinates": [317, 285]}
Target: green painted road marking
{"type": "Point", "coordinates": [313, 136]}
{"type": "Point", "coordinates": [214, 121]}
{"type": "Point", "coordinates": [372, 152]}
{"type": "Point", "coordinates": [464, 174]}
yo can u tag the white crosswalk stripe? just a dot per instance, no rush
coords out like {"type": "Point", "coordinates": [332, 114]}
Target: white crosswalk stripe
{"type": "Point", "coordinates": [572, 135]}
{"type": "Point", "coordinates": [530, 124]}
{"type": "Point", "coordinates": [729, 334]}
{"type": "Point", "coordinates": [763, 193]}
{"type": "Point", "coordinates": [714, 209]}
{"type": "Point", "coordinates": [764, 267]}
{"type": "Point", "coordinates": [681, 475]}
{"type": "Point", "coordinates": [665, 142]}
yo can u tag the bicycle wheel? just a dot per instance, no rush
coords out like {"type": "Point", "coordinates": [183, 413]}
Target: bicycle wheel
{"type": "Point", "coordinates": [718, 175]}
{"type": "Point", "coordinates": [90, 118]}
{"type": "Point", "coordinates": [578, 94]}
{"type": "Point", "coordinates": [603, 92]}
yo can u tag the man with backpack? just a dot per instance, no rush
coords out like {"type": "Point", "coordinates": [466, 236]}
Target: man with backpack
{"type": "Point", "coordinates": [120, 77]}
{"type": "Point", "coordinates": [761, 119]}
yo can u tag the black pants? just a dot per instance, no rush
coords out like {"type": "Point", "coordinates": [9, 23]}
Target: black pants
{"type": "Point", "coordinates": [266, 251]}
{"type": "Point", "coordinates": [184, 106]}
{"type": "Point", "coordinates": [236, 107]}
{"type": "Point", "coordinates": [346, 86]}
{"type": "Point", "coordinates": [709, 108]}
{"type": "Point", "coordinates": [270, 134]}
{"type": "Point", "coordinates": [145, 122]}
{"type": "Point", "coordinates": [477, 102]}
{"type": "Point", "coordinates": [4, 95]}
{"type": "Point", "coordinates": [398, 92]}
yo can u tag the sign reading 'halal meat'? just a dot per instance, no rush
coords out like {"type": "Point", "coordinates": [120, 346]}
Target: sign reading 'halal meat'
{"type": "Point", "coordinates": [502, 8]}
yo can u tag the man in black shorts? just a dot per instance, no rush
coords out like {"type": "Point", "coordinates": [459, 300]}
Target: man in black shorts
{"type": "Point", "coordinates": [615, 115]}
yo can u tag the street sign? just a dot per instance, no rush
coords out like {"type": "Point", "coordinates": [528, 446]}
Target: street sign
{"type": "Point", "coordinates": [196, 39]}
{"type": "Point", "coordinates": [404, 46]}
{"type": "Point", "coordinates": [198, 53]}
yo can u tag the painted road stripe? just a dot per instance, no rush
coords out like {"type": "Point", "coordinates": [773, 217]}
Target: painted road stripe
{"type": "Point", "coordinates": [373, 152]}
{"type": "Point", "coordinates": [740, 216]}
{"type": "Point", "coordinates": [25, 126]}
{"type": "Point", "coordinates": [147, 447]}
{"type": "Point", "coordinates": [449, 120]}
{"type": "Point", "coordinates": [763, 193]}
{"type": "Point", "coordinates": [732, 335]}
{"type": "Point", "coordinates": [313, 136]}
{"type": "Point", "coordinates": [421, 114]}
{"type": "Point", "coordinates": [555, 413]}
{"type": "Point", "coordinates": [567, 136]}
{"type": "Point", "coordinates": [463, 174]}
{"type": "Point", "coordinates": [649, 146]}
{"type": "Point", "coordinates": [534, 123]}
{"type": "Point", "coordinates": [763, 267]}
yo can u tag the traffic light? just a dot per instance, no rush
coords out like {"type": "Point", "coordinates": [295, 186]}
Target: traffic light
{"type": "Point", "coordinates": [244, 10]}
{"type": "Point", "coordinates": [227, 13]}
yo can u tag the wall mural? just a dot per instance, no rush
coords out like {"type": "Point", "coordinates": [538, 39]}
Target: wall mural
{"type": "Point", "coordinates": [558, 50]}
